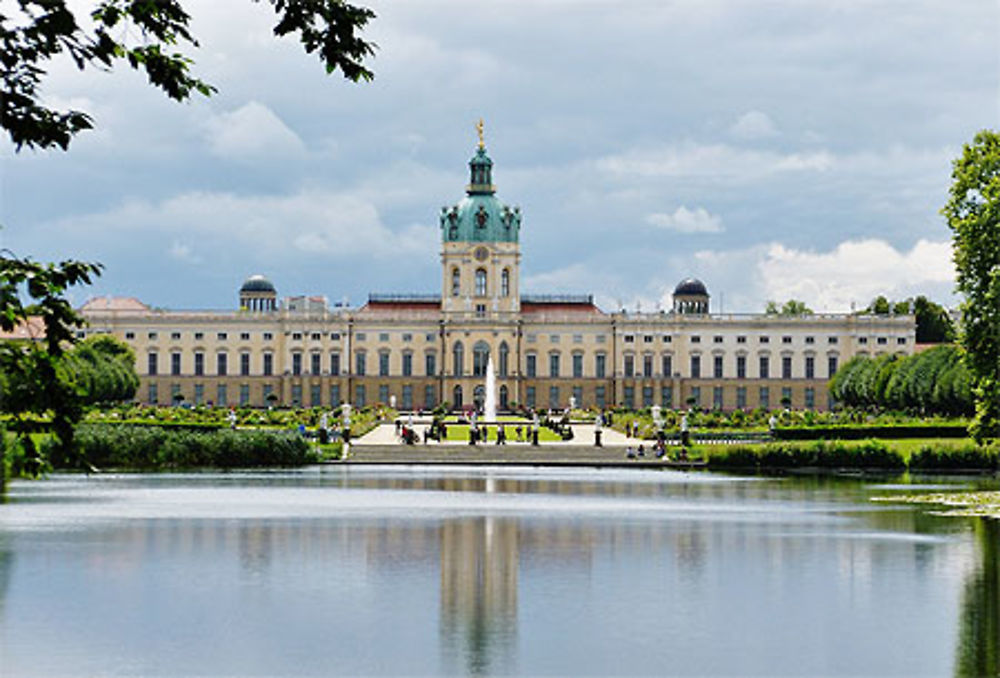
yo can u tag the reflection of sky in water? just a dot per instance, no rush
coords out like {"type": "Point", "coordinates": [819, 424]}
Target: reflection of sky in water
{"type": "Point", "coordinates": [484, 571]}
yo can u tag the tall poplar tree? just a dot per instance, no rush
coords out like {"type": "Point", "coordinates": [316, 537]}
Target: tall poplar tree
{"type": "Point", "coordinates": [973, 214]}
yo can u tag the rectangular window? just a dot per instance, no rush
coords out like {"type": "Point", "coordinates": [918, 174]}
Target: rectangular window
{"type": "Point", "coordinates": [741, 367]}
{"type": "Point", "coordinates": [601, 338]}
{"type": "Point", "coordinates": [810, 340]}
{"type": "Point", "coordinates": [430, 368]}
{"type": "Point", "coordinates": [383, 367]}
{"type": "Point", "coordinates": [152, 363]}
{"type": "Point", "coordinates": [359, 395]}
{"type": "Point", "coordinates": [629, 366]}
{"type": "Point", "coordinates": [130, 335]}
{"type": "Point", "coordinates": [199, 363]}
{"type": "Point", "coordinates": [221, 336]}
{"type": "Point", "coordinates": [577, 365]}
{"type": "Point", "coordinates": [883, 340]}
{"type": "Point", "coordinates": [407, 337]}
{"type": "Point", "coordinates": [647, 339]}
{"type": "Point", "coordinates": [577, 338]}
{"type": "Point", "coordinates": [786, 367]}
{"type": "Point", "coordinates": [741, 339]}
{"type": "Point", "coordinates": [810, 367]}
{"type": "Point", "coordinates": [717, 398]}
{"type": "Point", "coordinates": [266, 392]}
{"type": "Point", "coordinates": [315, 363]}
{"type": "Point", "coordinates": [268, 366]}
{"type": "Point", "coordinates": [695, 366]}
{"type": "Point", "coordinates": [600, 363]}
{"type": "Point", "coordinates": [154, 395]}
{"type": "Point", "coordinates": [334, 395]}
{"type": "Point", "coordinates": [315, 336]}
{"type": "Point", "coordinates": [383, 393]}
{"type": "Point", "coordinates": [810, 398]}
{"type": "Point", "coordinates": [765, 340]}
{"type": "Point", "coordinates": [647, 396]}
{"type": "Point", "coordinates": [221, 364]}
{"type": "Point", "coordinates": [530, 364]}
{"type": "Point", "coordinates": [629, 339]}
{"type": "Point", "coordinates": [151, 335]}
{"type": "Point", "coordinates": [786, 340]}
{"type": "Point", "coordinates": [430, 336]}
{"type": "Point", "coordinates": [296, 363]}
{"type": "Point", "coordinates": [175, 335]}
{"type": "Point", "coordinates": [407, 366]}
{"type": "Point", "coordinates": [741, 397]}
{"type": "Point", "coordinates": [900, 340]}
{"type": "Point", "coordinates": [335, 364]}
{"type": "Point", "coordinates": [199, 394]}
{"type": "Point", "coordinates": [831, 340]}
{"type": "Point", "coordinates": [630, 397]}
{"type": "Point", "coordinates": [696, 396]}
{"type": "Point", "coordinates": [667, 339]}
{"type": "Point", "coordinates": [554, 397]}
{"type": "Point", "coordinates": [600, 396]}
{"type": "Point", "coordinates": [786, 396]}
{"type": "Point", "coordinates": [764, 369]}
{"type": "Point", "coordinates": [383, 336]}
{"type": "Point", "coordinates": [480, 310]}
{"type": "Point", "coordinates": [359, 363]}
{"type": "Point", "coordinates": [862, 340]}
{"type": "Point", "coordinates": [360, 336]}
{"type": "Point", "coordinates": [647, 365]}
{"type": "Point", "coordinates": [244, 395]}
{"type": "Point", "coordinates": [297, 395]}
{"type": "Point", "coordinates": [244, 336]}
{"type": "Point", "coordinates": [717, 366]}
{"type": "Point", "coordinates": [244, 364]}
{"type": "Point", "coordinates": [529, 396]}
{"type": "Point", "coordinates": [531, 338]}
{"type": "Point", "coordinates": [175, 394]}
{"type": "Point", "coordinates": [578, 396]}
{"type": "Point", "coordinates": [335, 336]}
{"type": "Point", "coordinates": [667, 396]}
{"type": "Point", "coordinates": [831, 365]}
{"type": "Point", "coordinates": [268, 336]}
{"type": "Point", "coordinates": [296, 336]}
{"type": "Point", "coordinates": [198, 336]}
{"type": "Point", "coordinates": [695, 339]}
{"type": "Point", "coordinates": [717, 339]}
{"type": "Point", "coordinates": [554, 338]}
{"type": "Point", "coordinates": [765, 397]}
{"type": "Point", "coordinates": [407, 403]}
{"type": "Point", "coordinates": [553, 364]}
{"type": "Point", "coordinates": [220, 395]}
{"type": "Point", "coordinates": [315, 395]}
{"type": "Point", "coordinates": [668, 366]}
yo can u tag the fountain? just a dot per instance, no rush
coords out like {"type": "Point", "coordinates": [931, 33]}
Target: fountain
{"type": "Point", "coordinates": [490, 405]}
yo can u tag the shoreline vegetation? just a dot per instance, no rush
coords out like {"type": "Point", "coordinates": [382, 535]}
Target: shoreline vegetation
{"type": "Point", "coordinates": [143, 438]}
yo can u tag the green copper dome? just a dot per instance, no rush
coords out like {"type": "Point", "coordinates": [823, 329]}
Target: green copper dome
{"type": "Point", "coordinates": [480, 216]}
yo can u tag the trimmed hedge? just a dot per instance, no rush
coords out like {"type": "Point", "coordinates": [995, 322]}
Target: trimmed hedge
{"type": "Point", "coordinates": [155, 448]}
{"type": "Point", "coordinates": [870, 454]}
{"type": "Point", "coordinates": [963, 458]}
{"type": "Point", "coordinates": [863, 432]}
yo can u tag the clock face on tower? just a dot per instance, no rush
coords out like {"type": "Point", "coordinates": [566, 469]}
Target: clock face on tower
{"type": "Point", "coordinates": [481, 253]}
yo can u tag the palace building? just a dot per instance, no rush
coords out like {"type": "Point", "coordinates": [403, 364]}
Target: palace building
{"type": "Point", "coordinates": [419, 350]}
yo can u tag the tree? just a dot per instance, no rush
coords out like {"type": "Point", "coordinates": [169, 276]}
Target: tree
{"type": "Point", "coordinates": [789, 308]}
{"type": "Point", "coordinates": [145, 34]}
{"type": "Point", "coordinates": [34, 375]}
{"type": "Point", "coordinates": [934, 324]}
{"type": "Point", "coordinates": [973, 214]}
{"type": "Point", "coordinates": [102, 369]}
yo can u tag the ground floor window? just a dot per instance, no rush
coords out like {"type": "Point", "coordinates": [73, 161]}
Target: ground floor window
{"type": "Point", "coordinates": [554, 397]}
{"type": "Point", "coordinates": [359, 395]}
{"type": "Point", "coordinates": [315, 395]}
{"type": "Point", "coordinates": [647, 396]}
{"type": "Point", "coordinates": [456, 397]}
{"type": "Point", "coordinates": [153, 395]}
{"type": "Point", "coordinates": [786, 396]}
{"type": "Point", "coordinates": [297, 395]}
{"type": "Point", "coordinates": [765, 397]}
{"type": "Point", "coordinates": [244, 395]}
{"type": "Point", "coordinates": [504, 397]}
{"type": "Point", "coordinates": [407, 397]}
{"type": "Point", "coordinates": [176, 396]}
{"type": "Point", "coordinates": [383, 393]}
{"type": "Point", "coordinates": [630, 397]}
{"type": "Point", "coordinates": [529, 396]}
{"type": "Point", "coordinates": [578, 396]}
{"type": "Point", "coordinates": [334, 395]}
{"type": "Point", "coordinates": [810, 398]}
{"type": "Point", "coordinates": [199, 394]}
{"type": "Point", "coordinates": [430, 401]}
{"type": "Point", "coordinates": [717, 397]}
{"type": "Point", "coordinates": [695, 399]}
{"type": "Point", "coordinates": [220, 395]}
{"type": "Point", "coordinates": [667, 396]}
{"type": "Point", "coordinates": [741, 397]}
{"type": "Point", "coordinates": [600, 397]}
{"type": "Point", "coordinates": [267, 394]}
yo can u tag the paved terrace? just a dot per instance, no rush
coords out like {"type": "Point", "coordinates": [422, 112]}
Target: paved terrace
{"type": "Point", "coordinates": [381, 446]}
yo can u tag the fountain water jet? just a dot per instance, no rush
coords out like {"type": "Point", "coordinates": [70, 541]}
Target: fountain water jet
{"type": "Point", "coordinates": [490, 404]}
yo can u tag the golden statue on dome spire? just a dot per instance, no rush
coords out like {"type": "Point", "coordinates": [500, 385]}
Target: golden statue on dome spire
{"type": "Point", "coordinates": [479, 131]}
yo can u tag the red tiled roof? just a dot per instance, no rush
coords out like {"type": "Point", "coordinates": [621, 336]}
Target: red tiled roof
{"type": "Point", "coordinates": [32, 328]}
{"type": "Point", "coordinates": [536, 307]}
{"type": "Point", "coordinates": [114, 304]}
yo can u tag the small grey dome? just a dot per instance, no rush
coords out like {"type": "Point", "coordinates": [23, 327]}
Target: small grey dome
{"type": "Point", "coordinates": [257, 283]}
{"type": "Point", "coordinates": [691, 287]}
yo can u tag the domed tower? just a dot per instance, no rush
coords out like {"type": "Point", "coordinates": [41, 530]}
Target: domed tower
{"type": "Point", "coordinates": [480, 254]}
{"type": "Point", "coordinates": [258, 294]}
{"type": "Point", "coordinates": [691, 296]}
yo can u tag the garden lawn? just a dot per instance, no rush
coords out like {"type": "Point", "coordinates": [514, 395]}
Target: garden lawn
{"type": "Point", "coordinates": [459, 433]}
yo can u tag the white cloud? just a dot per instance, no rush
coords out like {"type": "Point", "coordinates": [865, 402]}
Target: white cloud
{"type": "Point", "coordinates": [753, 125]}
{"type": "Point", "coordinates": [683, 220]}
{"type": "Point", "coordinates": [713, 160]}
{"type": "Point", "coordinates": [853, 272]}
{"type": "Point", "coordinates": [253, 131]}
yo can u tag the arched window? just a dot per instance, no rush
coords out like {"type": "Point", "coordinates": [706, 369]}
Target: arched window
{"type": "Point", "coordinates": [503, 397]}
{"type": "Point", "coordinates": [480, 282]}
{"type": "Point", "coordinates": [504, 358]}
{"type": "Point", "coordinates": [458, 357]}
{"type": "Point", "coordinates": [480, 358]}
{"type": "Point", "coordinates": [456, 398]}
{"type": "Point", "coordinates": [505, 283]}
{"type": "Point", "coordinates": [456, 282]}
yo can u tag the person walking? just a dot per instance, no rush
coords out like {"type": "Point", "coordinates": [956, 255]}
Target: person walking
{"type": "Point", "coordinates": [598, 423]}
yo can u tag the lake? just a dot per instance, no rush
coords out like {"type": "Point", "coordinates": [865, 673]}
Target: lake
{"type": "Point", "coordinates": [343, 570]}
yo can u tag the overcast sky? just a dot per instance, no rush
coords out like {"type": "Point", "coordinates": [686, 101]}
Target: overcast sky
{"type": "Point", "coordinates": [772, 148]}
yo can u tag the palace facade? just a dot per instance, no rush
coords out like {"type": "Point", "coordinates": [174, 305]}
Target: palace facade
{"type": "Point", "coordinates": [420, 350]}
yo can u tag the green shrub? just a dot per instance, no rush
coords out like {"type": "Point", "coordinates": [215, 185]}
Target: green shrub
{"type": "Point", "coordinates": [154, 448]}
{"type": "Point", "coordinates": [868, 454]}
{"type": "Point", "coordinates": [969, 457]}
